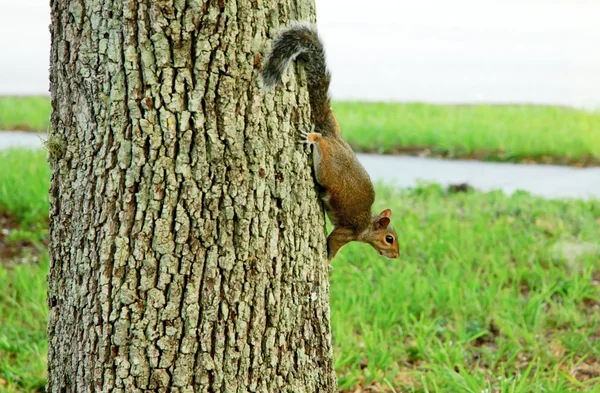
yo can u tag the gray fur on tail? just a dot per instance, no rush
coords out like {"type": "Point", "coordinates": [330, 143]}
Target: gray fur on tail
{"type": "Point", "coordinates": [301, 40]}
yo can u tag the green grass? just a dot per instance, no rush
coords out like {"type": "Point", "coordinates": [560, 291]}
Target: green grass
{"type": "Point", "coordinates": [24, 177]}
{"type": "Point", "coordinates": [477, 302]}
{"type": "Point", "coordinates": [477, 295]}
{"type": "Point", "coordinates": [508, 133]}
{"type": "Point", "coordinates": [24, 182]}
{"type": "Point", "coordinates": [25, 113]}
{"type": "Point", "coordinates": [23, 317]}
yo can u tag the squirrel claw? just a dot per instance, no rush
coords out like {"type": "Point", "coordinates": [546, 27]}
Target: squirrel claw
{"type": "Point", "coordinates": [303, 140]}
{"type": "Point", "coordinates": [305, 134]}
{"type": "Point", "coordinates": [309, 138]}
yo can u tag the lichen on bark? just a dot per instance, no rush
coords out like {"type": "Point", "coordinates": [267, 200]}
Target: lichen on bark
{"type": "Point", "coordinates": [187, 242]}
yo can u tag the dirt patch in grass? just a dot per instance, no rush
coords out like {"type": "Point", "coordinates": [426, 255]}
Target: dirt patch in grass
{"type": "Point", "coordinates": [15, 246]}
{"type": "Point", "coordinates": [586, 371]}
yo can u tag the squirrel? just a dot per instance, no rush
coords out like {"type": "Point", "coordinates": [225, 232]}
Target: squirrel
{"type": "Point", "coordinates": [346, 188]}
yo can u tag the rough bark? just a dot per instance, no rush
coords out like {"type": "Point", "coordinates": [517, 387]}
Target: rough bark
{"type": "Point", "coordinates": [187, 243]}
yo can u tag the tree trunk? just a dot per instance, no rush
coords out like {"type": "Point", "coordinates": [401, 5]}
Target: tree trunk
{"type": "Point", "coordinates": [187, 243]}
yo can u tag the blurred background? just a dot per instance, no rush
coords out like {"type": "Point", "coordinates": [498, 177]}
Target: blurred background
{"type": "Point", "coordinates": [479, 120]}
{"type": "Point", "coordinates": [462, 51]}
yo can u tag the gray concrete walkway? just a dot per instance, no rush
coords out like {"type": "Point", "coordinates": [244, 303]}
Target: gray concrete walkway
{"type": "Point", "coordinates": [544, 180]}
{"type": "Point", "coordinates": [10, 139]}
{"type": "Point", "coordinates": [549, 181]}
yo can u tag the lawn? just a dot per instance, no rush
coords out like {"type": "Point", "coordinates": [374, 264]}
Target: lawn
{"type": "Point", "coordinates": [500, 133]}
{"type": "Point", "coordinates": [25, 113]}
{"type": "Point", "coordinates": [24, 177]}
{"type": "Point", "coordinates": [479, 301]}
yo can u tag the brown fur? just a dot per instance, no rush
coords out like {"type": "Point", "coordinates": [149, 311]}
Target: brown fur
{"type": "Point", "coordinates": [348, 193]}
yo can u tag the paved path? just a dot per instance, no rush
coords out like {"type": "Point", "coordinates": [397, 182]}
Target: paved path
{"type": "Point", "coordinates": [544, 180]}
{"type": "Point", "coordinates": [549, 181]}
{"type": "Point", "coordinates": [10, 139]}
{"type": "Point", "coordinates": [466, 51]}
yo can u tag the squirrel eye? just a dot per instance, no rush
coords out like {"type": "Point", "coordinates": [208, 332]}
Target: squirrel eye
{"type": "Point", "coordinates": [389, 239]}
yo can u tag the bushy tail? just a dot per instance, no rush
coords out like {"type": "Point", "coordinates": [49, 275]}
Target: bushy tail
{"type": "Point", "coordinates": [301, 40]}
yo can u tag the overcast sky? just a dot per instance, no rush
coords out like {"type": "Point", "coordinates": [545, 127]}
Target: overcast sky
{"type": "Point", "coordinates": [538, 51]}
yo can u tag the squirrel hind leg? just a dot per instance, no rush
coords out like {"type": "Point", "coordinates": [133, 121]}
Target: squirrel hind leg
{"type": "Point", "coordinates": [310, 138]}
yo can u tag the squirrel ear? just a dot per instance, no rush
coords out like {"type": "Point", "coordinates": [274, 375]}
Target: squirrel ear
{"type": "Point", "coordinates": [386, 213]}
{"type": "Point", "coordinates": [384, 222]}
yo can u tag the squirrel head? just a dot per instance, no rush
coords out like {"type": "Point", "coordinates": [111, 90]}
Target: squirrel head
{"type": "Point", "coordinates": [382, 236]}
